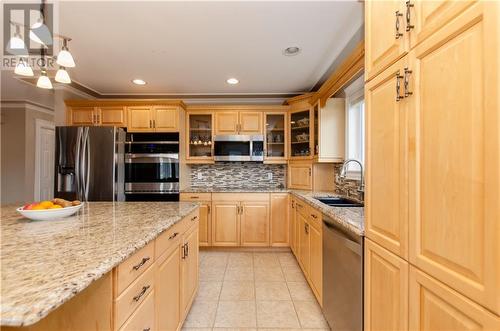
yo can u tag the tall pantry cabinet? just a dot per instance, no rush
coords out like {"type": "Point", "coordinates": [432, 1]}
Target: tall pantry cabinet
{"type": "Point", "coordinates": [433, 155]}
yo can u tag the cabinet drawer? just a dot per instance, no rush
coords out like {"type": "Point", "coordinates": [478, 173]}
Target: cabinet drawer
{"type": "Point", "coordinates": [143, 318]}
{"type": "Point", "coordinates": [315, 218]}
{"type": "Point", "coordinates": [133, 296]}
{"type": "Point", "coordinates": [170, 237]}
{"type": "Point", "coordinates": [196, 196]}
{"type": "Point", "coordinates": [240, 197]}
{"type": "Point", "coordinates": [302, 208]}
{"type": "Point", "coordinates": [134, 266]}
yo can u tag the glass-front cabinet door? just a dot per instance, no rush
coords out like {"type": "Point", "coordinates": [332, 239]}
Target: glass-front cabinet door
{"type": "Point", "coordinates": [316, 129]}
{"type": "Point", "coordinates": [276, 137]}
{"type": "Point", "coordinates": [300, 134]}
{"type": "Point", "coordinates": [200, 138]}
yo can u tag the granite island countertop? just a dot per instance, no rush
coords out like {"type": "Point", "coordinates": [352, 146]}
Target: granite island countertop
{"type": "Point", "coordinates": [46, 263]}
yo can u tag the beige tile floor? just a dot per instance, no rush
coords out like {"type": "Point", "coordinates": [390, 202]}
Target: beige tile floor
{"type": "Point", "coordinates": [253, 291]}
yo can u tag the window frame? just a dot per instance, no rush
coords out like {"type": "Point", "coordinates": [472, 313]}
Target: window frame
{"type": "Point", "coordinates": [354, 94]}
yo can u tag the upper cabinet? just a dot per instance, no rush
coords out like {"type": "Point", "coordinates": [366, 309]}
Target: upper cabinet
{"type": "Point", "coordinates": [301, 140]}
{"type": "Point", "coordinates": [112, 116]}
{"type": "Point", "coordinates": [153, 119]}
{"type": "Point", "coordinates": [238, 122]}
{"type": "Point", "coordinates": [199, 142]}
{"type": "Point", "coordinates": [97, 116]}
{"type": "Point", "coordinates": [82, 116]}
{"type": "Point", "coordinates": [275, 150]}
{"type": "Point", "coordinates": [329, 130]}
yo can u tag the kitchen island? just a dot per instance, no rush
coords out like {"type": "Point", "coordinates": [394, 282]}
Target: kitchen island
{"type": "Point", "coordinates": [45, 264]}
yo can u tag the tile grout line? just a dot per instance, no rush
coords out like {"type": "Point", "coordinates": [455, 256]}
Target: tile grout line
{"type": "Point", "coordinates": [220, 292]}
{"type": "Point", "coordinates": [290, 293]}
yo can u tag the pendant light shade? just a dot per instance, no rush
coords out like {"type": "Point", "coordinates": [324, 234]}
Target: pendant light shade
{"type": "Point", "coordinates": [44, 81]}
{"type": "Point", "coordinates": [23, 68]}
{"type": "Point", "coordinates": [62, 76]}
{"type": "Point", "coordinates": [16, 44]}
{"type": "Point", "coordinates": [64, 58]}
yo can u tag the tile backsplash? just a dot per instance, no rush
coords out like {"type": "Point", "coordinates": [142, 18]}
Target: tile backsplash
{"type": "Point", "coordinates": [346, 187]}
{"type": "Point", "coordinates": [237, 175]}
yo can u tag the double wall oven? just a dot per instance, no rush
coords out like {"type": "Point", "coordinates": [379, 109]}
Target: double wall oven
{"type": "Point", "coordinates": [152, 167]}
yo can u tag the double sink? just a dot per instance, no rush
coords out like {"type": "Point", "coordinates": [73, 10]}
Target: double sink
{"type": "Point", "coordinates": [339, 202]}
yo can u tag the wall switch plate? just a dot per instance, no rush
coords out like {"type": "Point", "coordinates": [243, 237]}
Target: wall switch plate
{"type": "Point", "coordinates": [200, 176]}
{"type": "Point", "coordinates": [270, 175]}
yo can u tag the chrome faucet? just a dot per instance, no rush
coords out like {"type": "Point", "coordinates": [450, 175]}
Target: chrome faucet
{"type": "Point", "coordinates": [343, 174]}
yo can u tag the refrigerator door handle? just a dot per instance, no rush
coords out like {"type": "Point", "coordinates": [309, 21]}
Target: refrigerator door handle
{"type": "Point", "coordinates": [87, 168]}
{"type": "Point", "coordinates": [77, 163]}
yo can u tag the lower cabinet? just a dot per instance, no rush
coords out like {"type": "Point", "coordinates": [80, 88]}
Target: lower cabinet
{"type": "Point", "coordinates": [168, 315]}
{"type": "Point", "coordinates": [225, 223]}
{"type": "Point", "coordinates": [316, 261]}
{"type": "Point", "coordinates": [144, 317]}
{"type": "Point", "coordinates": [279, 221]}
{"type": "Point", "coordinates": [205, 227]}
{"type": "Point", "coordinates": [291, 215]}
{"type": "Point", "coordinates": [304, 248]}
{"type": "Point", "coordinates": [254, 223]}
{"type": "Point", "coordinates": [386, 289]}
{"type": "Point", "coordinates": [189, 269]}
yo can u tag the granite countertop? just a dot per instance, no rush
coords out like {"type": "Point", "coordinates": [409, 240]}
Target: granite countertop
{"type": "Point", "coordinates": [45, 263]}
{"type": "Point", "coordinates": [232, 189]}
{"type": "Point", "coordinates": [349, 218]}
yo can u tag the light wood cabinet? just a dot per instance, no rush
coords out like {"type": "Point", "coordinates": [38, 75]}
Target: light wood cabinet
{"type": "Point", "coordinates": [301, 141]}
{"type": "Point", "coordinates": [254, 223]}
{"type": "Point", "coordinates": [199, 137]}
{"type": "Point", "coordinates": [330, 130]}
{"type": "Point", "coordinates": [225, 223]}
{"type": "Point", "coordinates": [385, 37]}
{"type": "Point", "coordinates": [435, 306]}
{"type": "Point", "coordinates": [304, 247]}
{"type": "Point", "coordinates": [205, 224]}
{"type": "Point", "coordinates": [316, 260]}
{"type": "Point", "coordinates": [168, 279]}
{"type": "Point", "coordinates": [112, 116]}
{"type": "Point", "coordinates": [82, 116]}
{"type": "Point", "coordinates": [153, 119]}
{"type": "Point", "coordinates": [293, 228]}
{"type": "Point", "coordinates": [189, 268]}
{"type": "Point", "coordinates": [276, 137]}
{"type": "Point", "coordinates": [144, 317]}
{"type": "Point", "coordinates": [238, 122]}
{"type": "Point", "coordinates": [300, 176]}
{"type": "Point", "coordinates": [386, 161]}
{"type": "Point", "coordinates": [279, 219]}
{"type": "Point", "coordinates": [386, 289]}
{"type": "Point", "coordinates": [454, 166]}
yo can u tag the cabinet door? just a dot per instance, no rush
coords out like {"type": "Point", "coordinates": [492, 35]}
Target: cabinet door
{"type": "Point", "coordinates": [112, 116]}
{"type": "Point", "coordinates": [300, 176]}
{"type": "Point", "coordinates": [332, 130]}
{"type": "Point", "coordinates": [435, 306]}
{"type": "Point", "coordinates": [250, 122]}
{"type": "Point", "coordinates": [279, 220]}
{"type": "Point", "coordinates": [316, 262]}
{"type": "Point", "coordinates": [189, 269]}
{"type": "Point", "coordinates": [304, 249]}
{"type": "Point", "coordinates": [167, 290]}
{"type": "Point", "coordinates": [226, 122]}
{"type": "Point", "coordinates": [426, 17]}
{"type": "Point", "coordinates": [382, 47]}
{"type": "Point", "coordinates": [276, 138]}
{"type": "Point", "coordinates": [205, 224]}
{"type": "Point", "coordinates": [225, 223]}
{"type": "Point", "coordinates": [166, 119]}
{"type": "Point", "coordinates": [254, 223]}
{"type": "Point", "coordinates": [199, 141]}
{"type": "Point", "coordinates": [386, 289]}
{"type": "Point", "coordinates": [291, 211]}
{"type": "Point", "coordinates": [144, 317]}
{"type": "Point", "coordinates": [140, 119]}
{"type": "Point", "coordinates": [82, 116]}
{"type": "Point", "coordinates": [386, 162]}
{"type": "Point", "coordinates": [454, 162]}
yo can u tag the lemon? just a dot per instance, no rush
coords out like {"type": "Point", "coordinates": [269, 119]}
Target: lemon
{"type": "Point", "coordinates": [46, 204]}
{"type": "Point", "coordinates": [38, 207]}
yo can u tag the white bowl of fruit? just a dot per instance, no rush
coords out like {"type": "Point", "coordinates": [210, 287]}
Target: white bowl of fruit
{"type": "Point", "coordinates": [49, 210]}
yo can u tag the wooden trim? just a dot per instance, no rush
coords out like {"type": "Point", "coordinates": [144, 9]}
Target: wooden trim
{"type": "Point", "coordinates": [124, 102]}
{"type": "Point", "coordinates": [299, 98]}
{"type": "Point", "coordinates": [216, 107]}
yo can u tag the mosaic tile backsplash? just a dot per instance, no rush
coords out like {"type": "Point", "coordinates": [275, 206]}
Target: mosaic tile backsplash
{"type": "Point", "coordinates": [238, 175]}
{"type": "Point", "coordinates": [346, 187]}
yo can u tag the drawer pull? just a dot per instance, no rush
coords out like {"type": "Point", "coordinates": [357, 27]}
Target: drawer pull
{"type": "Point", "coordinates": [314, 216]}
{"type": "Point", "coordinates": [195, 197]}
{"type": "Point", "coordinates": [143, 261]}
{"type": "Point", "coordinates": [187, 249]}
{"type": "Point", "coordinates": [194, 218]}
{"type": "Point", "coordinates": [173, 236]}
{"type": "Point", "coordinates": [146, 329]}
{"type": "Point", "coordinates": [139, 296]}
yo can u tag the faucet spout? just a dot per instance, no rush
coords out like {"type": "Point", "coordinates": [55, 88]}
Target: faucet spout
{"type": "Point", "coordinates": [343, 173]}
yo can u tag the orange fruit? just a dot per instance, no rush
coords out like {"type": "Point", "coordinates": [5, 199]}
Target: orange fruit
{"type": "Point", "coordinates": [55, 207]}
{"type": "Point", "coordinates": [46, 204]}
{"type": "Point", "coordinates": [38, 207]}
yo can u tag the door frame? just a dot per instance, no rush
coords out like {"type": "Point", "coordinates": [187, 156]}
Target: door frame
{"type": "Point", "coordinates": [39, 124]}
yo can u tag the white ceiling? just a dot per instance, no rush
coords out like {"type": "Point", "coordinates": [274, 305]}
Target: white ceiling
{"type": "Point", "coordinates": [193, 47]}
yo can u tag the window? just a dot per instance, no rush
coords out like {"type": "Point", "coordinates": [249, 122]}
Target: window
{"type": "Point", "coordinates": [355, 126]}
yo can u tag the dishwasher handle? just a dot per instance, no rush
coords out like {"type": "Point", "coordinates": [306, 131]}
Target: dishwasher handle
{"type": "Point", "coordinates": [355, 247]}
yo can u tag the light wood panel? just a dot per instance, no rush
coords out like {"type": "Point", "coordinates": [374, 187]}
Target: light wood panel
{"type": "Point", "coordinates": [140, 119]}
{"type": "Point", "coordinates": [279, 219]}
{"type": "Point", "coordinates": [144, 317]}
{"type": "Point", "coordinates": [381, 45]}
{"type": "Point", "coordinates": [112, 116]}
{"type": "Point", "coordinates": [300, 176]}
{"type": "Point", "coordinates": [205, 224]}
{"type": "Point", "coordinates": [189, 269]}
{"type": "Point", "coordinates": [225, 223]}
{"type": "Point", "coordinates": [292, 219]}
{"type": "Point", "coordinates": [435, 307]}
{"type": "Point", "coordinates": [454, 155]}
{"type": "Point", "coordinates": [386, 289]}
{"type": "Point", "coordinates": [304, 247]}
{"type": "Point", "coordinates": [250, 122]}
{"type": "Point", "coordinates": [254, 223]}
{"type": "Point", "coordinates": [166, 119]}
{"type": "Point", "coordinates": [82, 115]}
{"type": "Point", "coordinates": [133, 267]}
{"type": "Point", "coordinates": [387, 162]}
{"type": "Point", "coordinates": [316, 262]}
{"type": "Point", "coordinates": [226, 122]}
{"type": "Point", "coordinates": [167, 290]}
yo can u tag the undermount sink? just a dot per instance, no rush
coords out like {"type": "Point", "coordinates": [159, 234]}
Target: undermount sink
{"type": "Point", "coordinates": [339, 202]}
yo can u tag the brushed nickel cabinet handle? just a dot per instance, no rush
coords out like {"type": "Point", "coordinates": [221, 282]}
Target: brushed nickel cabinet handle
{"type": "Point", "coordinates": [409, 26]}
{"type": "Point", "coordinates": [406, 82]}
{"type": "Point", "coordinates": [398, 15]}
{"type": "Point", "coordinates": [143, 261]}
{"type": "Point", "coordinates": [187, 249]}
{"type": "Point", "coordinates": [398, 86]}
{"type": "Point", "coordinates": [143, 291]}
{"type": "Point", "coordinates": [194, 218]}
{"type": "Point", "coordinates": [183, 255]}
{"type": "Point", "coordinates": [314, 216]}
{"type": "Point", "coordinates": [173, 236]}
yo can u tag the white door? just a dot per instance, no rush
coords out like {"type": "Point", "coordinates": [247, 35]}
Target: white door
{"type": "Point", "coordinates": [44, 160]}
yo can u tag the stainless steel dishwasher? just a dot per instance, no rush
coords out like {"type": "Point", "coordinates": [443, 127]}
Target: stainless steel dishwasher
{"type": "Point", "coordinates": [342, 278]}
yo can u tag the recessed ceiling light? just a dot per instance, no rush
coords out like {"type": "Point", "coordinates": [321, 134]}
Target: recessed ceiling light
{"type": "Point", "coordinates": [291, 51]}
{"type": "Point", "coordinates": [138, 81]}
{"type": "Point", "coordinates": [232, 81]}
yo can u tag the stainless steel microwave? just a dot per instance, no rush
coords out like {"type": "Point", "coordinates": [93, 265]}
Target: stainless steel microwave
{"type": "Point", "coordinates": [239, 148]}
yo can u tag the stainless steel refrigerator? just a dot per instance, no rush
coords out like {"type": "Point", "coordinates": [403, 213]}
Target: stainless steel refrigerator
{"type": "Point", "coordinates": [89, 164]}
